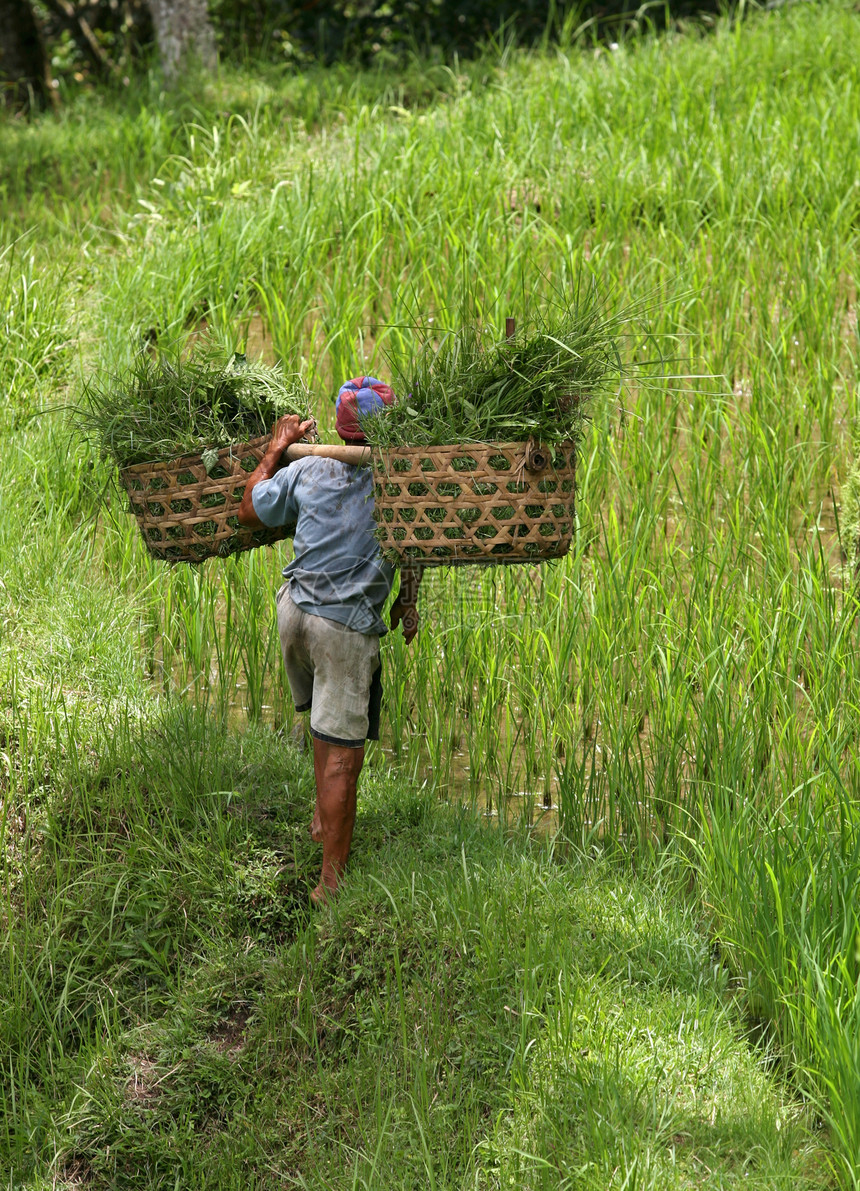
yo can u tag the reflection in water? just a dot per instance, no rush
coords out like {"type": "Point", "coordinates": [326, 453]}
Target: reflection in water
{"type": "Point", "coordinates": [457, 781]}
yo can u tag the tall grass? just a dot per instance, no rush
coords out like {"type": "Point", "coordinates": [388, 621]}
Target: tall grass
{"type": "Point", "coordinates": [686, 680]}
{"type": "Point", "coordinates": [35, 325]}
{"type": "Point", "coordinates": [172, 404]}
{"type": "Point", "coordinates": [468, 384]}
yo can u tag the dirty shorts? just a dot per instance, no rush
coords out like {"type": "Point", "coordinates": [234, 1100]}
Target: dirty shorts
{"type": "Point", "coordinates": [334, 672]}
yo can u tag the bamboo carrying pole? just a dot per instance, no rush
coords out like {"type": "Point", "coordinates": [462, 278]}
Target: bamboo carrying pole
{"type": "Point", "coordinates": [346, 454]}
{"type": "Point", "coordinates": [536, 459]}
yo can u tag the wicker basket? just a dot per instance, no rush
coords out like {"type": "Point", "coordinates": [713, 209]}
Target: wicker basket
{"type": "Point", "coordinates": [187, 514]}
{"type": "Point", "coordinates": [475, 503]}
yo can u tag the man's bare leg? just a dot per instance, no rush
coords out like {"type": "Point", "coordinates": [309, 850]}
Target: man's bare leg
{"type": "Point", "coordinates": [336, 770]}
{"type": "Point", "coordinates": [315, 828]}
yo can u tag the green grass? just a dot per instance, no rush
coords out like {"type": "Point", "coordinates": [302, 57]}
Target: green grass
{"type": "Point", "coordinates": [172, 404]}
{"type": "Point", "coordinates": [468, 384]}
{"type": "Point", "coordinates": [475, 1010]}
{"type": "Point", "coordinates": [682, 687]}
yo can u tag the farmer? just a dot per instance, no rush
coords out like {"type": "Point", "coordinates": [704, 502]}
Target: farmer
{"type": "Point", "coordinates": [329, 608]}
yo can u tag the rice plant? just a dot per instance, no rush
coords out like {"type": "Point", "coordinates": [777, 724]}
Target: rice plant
{"type": "Point", "coordinates": [469, 384]}
{"type": "Point", "coordinates": [172, 404]}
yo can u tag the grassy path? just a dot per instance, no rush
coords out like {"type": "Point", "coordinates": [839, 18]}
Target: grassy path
{"type": "Point", "coordinates": [476, 1012]}
{"type": "Point", "coordinates": [479, 1009]}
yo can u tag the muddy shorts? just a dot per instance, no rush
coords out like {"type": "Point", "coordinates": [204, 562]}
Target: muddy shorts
{"type": "Point", "coordinates": [334, 673]}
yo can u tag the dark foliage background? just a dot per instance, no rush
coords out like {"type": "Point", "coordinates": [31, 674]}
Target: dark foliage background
{"type": "Point", "coordinates": [324, 30]}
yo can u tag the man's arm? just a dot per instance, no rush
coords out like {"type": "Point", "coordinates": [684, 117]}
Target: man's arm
{"type": "Point", "coordinates": [404, 610]}
{"type": "Point", "coordinates": [288, 430]}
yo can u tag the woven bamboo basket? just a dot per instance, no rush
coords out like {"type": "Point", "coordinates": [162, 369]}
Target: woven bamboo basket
{"type": "Point", "coordinates": [188, 514]}
{"type": "Point", "coordinates": [475, 503]}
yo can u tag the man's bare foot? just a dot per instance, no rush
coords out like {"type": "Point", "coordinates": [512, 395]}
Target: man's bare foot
{"type": "Point", "coordinates": [323, 894]}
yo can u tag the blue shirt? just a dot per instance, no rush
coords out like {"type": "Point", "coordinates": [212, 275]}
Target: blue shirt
{"type": "Point", "coordinates": [337, 570]}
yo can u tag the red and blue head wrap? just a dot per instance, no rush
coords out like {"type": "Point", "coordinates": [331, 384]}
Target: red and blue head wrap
{"type": "Point", "coordinates": [356, 399]}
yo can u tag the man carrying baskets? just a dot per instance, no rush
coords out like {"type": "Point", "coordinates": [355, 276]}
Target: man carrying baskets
{"type": "Point", "coordinates": [329, 608]}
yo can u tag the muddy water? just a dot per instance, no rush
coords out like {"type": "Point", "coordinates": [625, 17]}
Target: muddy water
{"type": "Point", "coordinates": [529, 804]}
{"type": "Point", "coordinates": [252, 332]}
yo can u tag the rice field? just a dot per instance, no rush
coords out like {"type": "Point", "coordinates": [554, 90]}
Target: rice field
{"type": "Point", "coordinates": [667, 718]}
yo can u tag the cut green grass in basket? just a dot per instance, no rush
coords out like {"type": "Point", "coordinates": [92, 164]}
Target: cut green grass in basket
{"type": "Point", "coordinates": [476, 385]}
{"type": "Point", "coordinates": [172, 405]}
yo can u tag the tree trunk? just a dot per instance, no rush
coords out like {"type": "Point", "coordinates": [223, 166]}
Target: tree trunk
{"type": "Point", "coordinates": [183, 33]}
{"type": "Point", "coordinates": [25, 80]}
